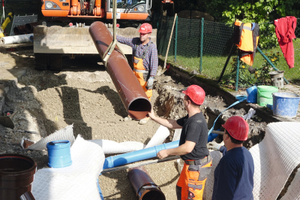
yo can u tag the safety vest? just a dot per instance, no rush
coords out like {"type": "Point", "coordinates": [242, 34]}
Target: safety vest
{"type": "Point", "coordinates": [140, 72]}
{"type": "Point", "coordinates": [246, 38]}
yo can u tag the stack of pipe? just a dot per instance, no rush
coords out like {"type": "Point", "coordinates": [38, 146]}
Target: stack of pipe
{"type": "Point", "coordinates": [24, 29]}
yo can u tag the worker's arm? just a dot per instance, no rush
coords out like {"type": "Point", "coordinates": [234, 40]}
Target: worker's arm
{"type": "Point", "coordinates": [152, 56]}
{"type": "Point", "coordinates": [129, 41]}
{"type": "Point", "coordinates": [183, 149]}
{"type": "Point", "coordinates": [169, 123]}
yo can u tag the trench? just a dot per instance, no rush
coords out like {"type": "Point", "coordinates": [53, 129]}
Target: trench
{"type": "Point", "coordinates": [45, 101]}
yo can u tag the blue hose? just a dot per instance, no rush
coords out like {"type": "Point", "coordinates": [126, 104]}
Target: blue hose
{"type": "Point", "coordinates": [239, 98]}
{"type": "Point", "coordinates": [100, 191]}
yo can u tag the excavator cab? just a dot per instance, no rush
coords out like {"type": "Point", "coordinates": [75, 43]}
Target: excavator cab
{"type": "Point", "coordinates": [126, 9]}
{"type": "Point", "coordinates": [130, 9]}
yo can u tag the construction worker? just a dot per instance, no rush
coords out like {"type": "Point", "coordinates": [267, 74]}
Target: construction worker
{"type": "Point", "coordinates": [233, 176]}
{"type": "Point", "coordinates": [145, 59]}
{"type": "Point", "coordinates": [192, 145]}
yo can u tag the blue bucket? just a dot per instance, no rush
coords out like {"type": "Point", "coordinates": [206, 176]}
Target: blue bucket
{"type": "Point", "coordinates": [285, 104]}
{"type": "Point", "coordinates": [252, 94]}
{"type": "Point", "coordinates": [59, 153]}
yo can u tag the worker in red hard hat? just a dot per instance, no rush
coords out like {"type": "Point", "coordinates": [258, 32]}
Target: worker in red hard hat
{"type": "Point", "coordinates": [192, 145]}
{"type": "Point", "coordinates": [145, 60]}
{"type": "Point", "coordinates": [233, 176]}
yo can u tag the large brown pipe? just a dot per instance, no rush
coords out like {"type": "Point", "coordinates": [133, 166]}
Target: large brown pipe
{"type": "Point", "coordinates": [127, 85]}
{"type": "Point", "coordinates": [143, 185]}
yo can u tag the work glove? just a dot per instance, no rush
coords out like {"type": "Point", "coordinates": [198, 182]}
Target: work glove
{"type": "Point", "coordinates": [214, 146]}
{"type": "Point", "coordinates": [150, 83]}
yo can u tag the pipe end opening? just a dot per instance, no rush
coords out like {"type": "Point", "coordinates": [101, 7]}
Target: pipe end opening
{"type": "Point", "coordinates": [139, 108]}
{"type": "Point", "coordinates": [153, 194]}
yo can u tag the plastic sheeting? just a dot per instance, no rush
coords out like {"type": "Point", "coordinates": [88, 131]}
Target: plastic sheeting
{"type": "Point", "coordinates": [293, 189]}
{"type": "Point", "coordinates": [17, 39]}
{"type": "Point", "coordinates": [62, 134]}
{"type": "Point", "coordinates": [76, 182]}
{"type": "Point", "coordinates": [275, 158]}
{"type": "Point", "coordinates": [112, 147]}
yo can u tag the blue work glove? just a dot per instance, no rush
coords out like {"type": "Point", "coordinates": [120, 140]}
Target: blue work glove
{"type": "Point", "coordinates": [150, 83]}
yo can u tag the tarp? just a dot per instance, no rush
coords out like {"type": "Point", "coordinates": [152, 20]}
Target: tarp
{"type": "Point", "coordinates": [76, 182]}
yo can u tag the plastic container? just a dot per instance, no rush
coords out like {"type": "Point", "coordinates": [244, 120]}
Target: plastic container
{"type": "Point", "coordinates": [285, 104]}
{"type": "Point", "coordinates": [264, 94]}
{"type": "Point", "coordinates": [16, 175]}
{"type": "Point", "coordinates": [252, 94]}
{"type": "Point", "coordinates": [277, 78]}
{"type": "Point", "coordinates": [59, 153]}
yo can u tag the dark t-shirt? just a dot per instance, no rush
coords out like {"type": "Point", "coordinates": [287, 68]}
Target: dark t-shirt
{"type": "Point", "coordinates": [234, 176]}
{"type": "Point", "coordinates": [194, 129]}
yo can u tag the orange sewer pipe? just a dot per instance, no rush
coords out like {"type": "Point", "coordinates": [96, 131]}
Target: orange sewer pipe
{"type": "Point", "coordinates": [129, 89]}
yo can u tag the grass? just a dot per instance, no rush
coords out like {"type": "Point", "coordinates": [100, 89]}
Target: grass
{"type": "Point", "coordinates": [212, 66]}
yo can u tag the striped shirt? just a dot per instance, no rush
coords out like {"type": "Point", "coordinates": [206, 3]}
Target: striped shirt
{"type": "Point", "coordinates": [151, 59]}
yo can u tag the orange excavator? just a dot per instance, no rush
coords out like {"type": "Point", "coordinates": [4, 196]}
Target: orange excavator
{"type": "Point", "coordinates": [52, 41]}
{"type": "Point", "coordinates": [126, 9]}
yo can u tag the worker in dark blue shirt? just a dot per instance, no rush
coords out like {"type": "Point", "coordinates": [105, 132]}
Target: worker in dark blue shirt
{"type": "Point", "coordinates": [233, 176]}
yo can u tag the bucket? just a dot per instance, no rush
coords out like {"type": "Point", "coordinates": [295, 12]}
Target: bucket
{"type": "Point", "coordinates": [59, 153]}
{"type": "Point", "coordinates": [16, 175]}
{"type": "Point", "coordinates": [277, 78]}
{"type": "Point", "coordinates": [285, 104]}
{"type": "Point", "coordinates": [252, 94]}
{"type": "Point", "coordinates": [264, 94]}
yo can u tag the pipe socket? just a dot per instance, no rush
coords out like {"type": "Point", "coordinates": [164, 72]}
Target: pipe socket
{"type": "Point", "coordinates": [143, 185]}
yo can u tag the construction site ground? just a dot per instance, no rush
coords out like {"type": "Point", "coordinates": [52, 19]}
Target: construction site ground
{"type": "Point", "coordinates": [83, 94]}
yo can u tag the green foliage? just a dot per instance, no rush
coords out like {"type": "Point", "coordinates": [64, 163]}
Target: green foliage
{"type": "Point", "coordinates": [245, 77]}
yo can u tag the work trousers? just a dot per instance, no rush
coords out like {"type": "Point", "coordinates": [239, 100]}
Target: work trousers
{"type": "Point", "coordinates": [192, 180]}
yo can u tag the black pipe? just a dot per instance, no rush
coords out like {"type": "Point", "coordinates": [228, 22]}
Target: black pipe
{"type": "Point", "coordinates": [143, 185]}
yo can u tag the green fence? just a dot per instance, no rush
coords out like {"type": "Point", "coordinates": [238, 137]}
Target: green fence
{"type": "Point", "coordinates": [205, 46]}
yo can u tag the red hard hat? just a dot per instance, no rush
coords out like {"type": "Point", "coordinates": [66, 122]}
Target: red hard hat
{"type": "Point", "coordinates": [237, 127]}
{"type": "Point", "coordinates": [145, 28]}
{"type": "Point", "coordinates": [196, 94]}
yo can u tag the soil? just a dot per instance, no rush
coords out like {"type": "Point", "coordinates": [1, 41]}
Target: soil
{"type": "Point", "coordinates": [84, 95]}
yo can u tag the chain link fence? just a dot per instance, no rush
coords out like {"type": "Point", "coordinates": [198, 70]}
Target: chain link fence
{"type": "Point", "coordinates": [207, 47]}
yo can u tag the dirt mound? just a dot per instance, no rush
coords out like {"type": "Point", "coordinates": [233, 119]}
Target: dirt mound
{"type": "Point", "coordinates": [46, 101]}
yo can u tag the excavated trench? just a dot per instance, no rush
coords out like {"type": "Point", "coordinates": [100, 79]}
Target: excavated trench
{"type": "Point", "coordinates": [45, 101]}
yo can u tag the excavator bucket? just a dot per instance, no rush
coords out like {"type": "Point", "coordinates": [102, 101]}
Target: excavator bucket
{"type": "Point", "coordinates": [51, 43]}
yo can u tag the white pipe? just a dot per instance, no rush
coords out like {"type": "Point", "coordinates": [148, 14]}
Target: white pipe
{"type": "Point", "coordinates": [112, 147]}
{"type": "Point", "coordinates": [177, 134]}
{"type": "Point", "coordinates": [17, 39]}
{"type": "Point", "coordinates": [159, 137]}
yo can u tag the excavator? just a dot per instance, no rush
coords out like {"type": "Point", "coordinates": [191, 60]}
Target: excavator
{"type": "Point", "coordinates": [52, 41]}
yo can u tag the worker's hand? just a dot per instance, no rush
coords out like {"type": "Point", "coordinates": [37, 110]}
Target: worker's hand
{"type": "Point", "coordinates": [151, 114]}
{"type": "Point", "coordinates": [162, 154]}
{"type": "Point", "coordinates": [150, 83]}
{"type": "Point", "coordinates": [214, 146]}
